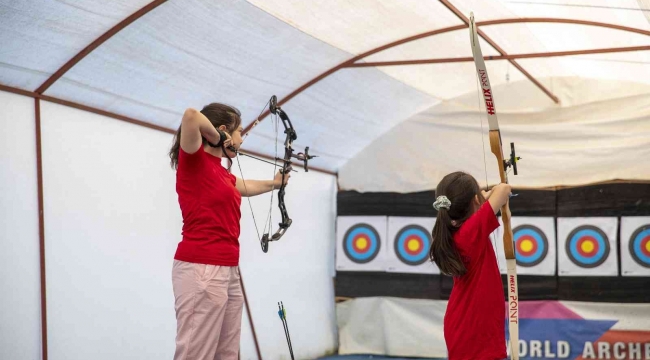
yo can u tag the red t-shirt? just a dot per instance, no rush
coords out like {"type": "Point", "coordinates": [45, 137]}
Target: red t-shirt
{"type": "Point", "coordinates": [475, 318]}
{"type": "Point", "coordinates": [210, 204]}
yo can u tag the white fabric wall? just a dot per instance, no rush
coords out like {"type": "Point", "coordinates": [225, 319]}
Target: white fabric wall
{"type": "Point", "coordinates": [20, 295]}
{"type": "Point", "coordinates": [591, 137]}
{"type": "Point", "coordinates": [392, 326]}
{"type": "Point", "coordinates": [297, 270]}
{"type": "Point", "coordinates": [112, 224]}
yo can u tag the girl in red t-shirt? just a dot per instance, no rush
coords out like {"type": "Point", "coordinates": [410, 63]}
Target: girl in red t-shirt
{"type": "Point", "coordinates": [474, 324]}
{"type": "Point", "coordinates": [205, 274]}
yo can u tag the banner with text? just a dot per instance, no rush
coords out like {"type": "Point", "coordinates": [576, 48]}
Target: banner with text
{"type": "Point", "coordinates": [548, 329]}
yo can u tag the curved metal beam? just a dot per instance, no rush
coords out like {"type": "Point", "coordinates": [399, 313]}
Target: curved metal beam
{"type": "Point", "coordinates": [37, 95]}
{"type": "Point", "coordinates": [350, 62]}
{"type": "Point", "coordinates": [501, 51]}
{"type": "Point", "coordinates": [442, 31]}
{"type": "Point", "coordinates": [130, 120]}
{"type": "Point", "coordinates": [95, 44]}
{"type": "Point", "coordinates": [501, 57]}
{"type": "Point", "coordinates": [564, 21]}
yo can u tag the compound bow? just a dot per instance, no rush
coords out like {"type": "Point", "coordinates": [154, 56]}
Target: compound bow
{"type": "Point", "coordinates": [496, 148]}
{"type": "Point", "coordinates": [291, 135]}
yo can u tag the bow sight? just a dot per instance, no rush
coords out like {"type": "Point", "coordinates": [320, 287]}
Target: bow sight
{"type": "Point", "coordinates": [512, 161]}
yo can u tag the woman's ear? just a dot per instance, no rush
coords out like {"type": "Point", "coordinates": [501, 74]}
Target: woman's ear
{"type": "Point", "coordinates": [477, 203]}
{"type": "Point", "coordinates": [223, 128]}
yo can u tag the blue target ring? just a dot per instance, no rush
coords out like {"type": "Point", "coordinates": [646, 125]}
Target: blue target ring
{"type": "Point", "coordinates": [587, 246]}
{"type": "Point", "coordinates": [640, 246]}
{"type": "Point", "coordinates": [531, 245]}
{"type": "Point", "coordinates": [412, 244]}
{"type": "Point", "coordinates": [361, 243]}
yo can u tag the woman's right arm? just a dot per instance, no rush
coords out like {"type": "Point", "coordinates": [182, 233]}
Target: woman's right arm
{"type": "Point", "coordinates": [194, 126]}
{"type": "Point", "coordinates": [498, 196]}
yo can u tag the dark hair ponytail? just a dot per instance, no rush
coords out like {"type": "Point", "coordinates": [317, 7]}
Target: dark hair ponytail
{"type": "Point", "coordinates": [460, 188]}
{"type": "Point", "coordinates": [218, 114]}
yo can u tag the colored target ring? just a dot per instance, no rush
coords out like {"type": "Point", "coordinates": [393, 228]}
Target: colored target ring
{"type": "Point", "coordinates": [361, 243]}
{"type": "Point", "coordinates": [640, 246]}
{"type": "Point", "coordinates": [531, 245]}
{"type": "Point", "coordinates": [587, 246]}
{"type": "Point", "coordinates": [412, 244]}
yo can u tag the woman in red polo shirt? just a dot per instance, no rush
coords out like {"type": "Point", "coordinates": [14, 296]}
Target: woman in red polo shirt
{"type": "Point", "coordinates": [474, 323]}
{"type": "Point", "coordinates": [205, 275]}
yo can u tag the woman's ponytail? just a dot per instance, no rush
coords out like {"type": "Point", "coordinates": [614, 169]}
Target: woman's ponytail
{"type": "Point", "coordinates": [454, 203]}
{"type": "Point", "coordinates": [443, 251]}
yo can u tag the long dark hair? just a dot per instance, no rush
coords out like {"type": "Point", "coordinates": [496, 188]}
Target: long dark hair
{"type": "Point", "coordinates": [218, 114]}
{"type": "Point", "coordinates": [460, 188]}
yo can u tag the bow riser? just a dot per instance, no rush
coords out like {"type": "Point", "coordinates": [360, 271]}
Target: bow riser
{"type": "Point", "coordinates": [291, 135]}
{"type": "Point", "coordinates": [508, 247]}
{"type": "Point", "coordinates": [495, 146]}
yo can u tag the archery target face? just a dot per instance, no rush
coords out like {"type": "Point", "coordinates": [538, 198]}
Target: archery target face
{"type": "Point", "coordinates": [412, 244]}
{"type": "Point", "coordinates": [635, 245]}
{"type": "Point", "coordinates": [534, 242]}
{"type": "Point", "coordinates": [588, 246]}
{"type": "Point", "coordinates": [360, 243]}
{"type": "Point", "coordinates": [531, 245]}
{"type": "Point", "coordinates": [639, 246]}
{"type": "Point", "coordinates": [408, 244]}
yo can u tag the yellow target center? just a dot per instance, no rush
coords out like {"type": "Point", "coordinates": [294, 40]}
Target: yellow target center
{"type": "Point", "coordinates": [647, 246]}
{"type": "Point", "coordinates": [526, 245]}
{"type": "Point", "coordinates": [362, 243]}
{"type": "Point", "coordinates": [413, 245]}
{"type": "Point", "coordinates": [587, 246]}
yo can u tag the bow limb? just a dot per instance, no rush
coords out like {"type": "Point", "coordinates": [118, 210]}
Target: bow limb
{"type": "Point", "coordinates": [286, 167]}
{"type": "Point", "coordinates": [497, 149]}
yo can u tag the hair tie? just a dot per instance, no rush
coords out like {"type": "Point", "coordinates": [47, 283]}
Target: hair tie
{"type": "Point", "coordinates": [442, 202]}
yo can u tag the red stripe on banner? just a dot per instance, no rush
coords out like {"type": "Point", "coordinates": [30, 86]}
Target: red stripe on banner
{"type": "Point", "coordinates": [545, 309]}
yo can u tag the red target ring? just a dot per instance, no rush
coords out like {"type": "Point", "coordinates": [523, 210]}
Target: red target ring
{"type": "Point", "coordinates": [527, 245]}
{"type": "Point", "coordinates": [645, 246]}
{"type": "Point", "coordinates": [413, 245]}
{"type": "Point", "coordinates": [587, 246]}
{"type": "Point", "coordinates": [361, 244]}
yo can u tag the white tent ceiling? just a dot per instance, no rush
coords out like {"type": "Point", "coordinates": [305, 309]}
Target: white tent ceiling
{"type": "Point", "coordinates": [387, 128]}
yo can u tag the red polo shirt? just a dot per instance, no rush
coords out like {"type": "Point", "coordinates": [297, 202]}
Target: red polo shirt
{"type": "Point", "coordinates": [475, 319]}
{"type": "Point", "coordinates": [210, 204]}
